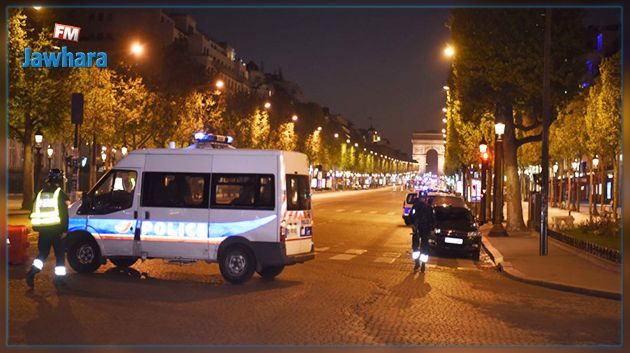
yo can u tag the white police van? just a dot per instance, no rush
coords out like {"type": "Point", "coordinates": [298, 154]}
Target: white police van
{"type": "Point", "coordinates": [248, 210]}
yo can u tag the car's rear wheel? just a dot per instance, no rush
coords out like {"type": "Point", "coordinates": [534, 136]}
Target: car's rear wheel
{"type": "Point", "coordinates": [237, 264]}
{"type": "Point", "coordinates": [270, 272]}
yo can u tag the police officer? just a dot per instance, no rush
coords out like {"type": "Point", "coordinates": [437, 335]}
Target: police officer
{"type": "Point", "coordinates": [422, 216]}
{"type": "Point", "coordinates": [50, 218]}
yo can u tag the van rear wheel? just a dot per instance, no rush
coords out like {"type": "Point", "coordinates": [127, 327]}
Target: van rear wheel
{"type": "Point", "coordinates": [270, 272]}
{"type": "Point", "coordinates": [237, 264]}
{"type": "Point", "coordinates": [123, 261]}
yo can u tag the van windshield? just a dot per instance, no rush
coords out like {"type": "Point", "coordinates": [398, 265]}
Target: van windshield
{"type": "Point", "coordinates": [298, 193]}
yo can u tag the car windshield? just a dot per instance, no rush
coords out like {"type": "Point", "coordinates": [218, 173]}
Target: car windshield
{"type": "Point", "coordinates": [411, 198]}
{"type": "Point", "coordinates": [448, 201]}
{"type": "Point", "coordinates": [453, 215]}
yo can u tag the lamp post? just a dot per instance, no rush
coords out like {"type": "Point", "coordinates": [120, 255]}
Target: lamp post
{"type": "Point", "coordinates": [124, 150]}
{"type": "Point", "coordinates": [39, 137]}
{"type": "Point", "coordinates": [554, 189]}
{"type": "Point", "coordinates": [497, 214]}
{"type": "Point", "coordinates": [576, 167]}
{"type": "Point", "coordinates": [483, 149]}
{"type": "Point", "coordinates": [49, 152]}
{"type": "Point", "coordinates": [591, 191]}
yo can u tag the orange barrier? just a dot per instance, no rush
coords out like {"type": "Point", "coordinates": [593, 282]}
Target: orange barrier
{"type": "Point", "coordinates": [18, 236]}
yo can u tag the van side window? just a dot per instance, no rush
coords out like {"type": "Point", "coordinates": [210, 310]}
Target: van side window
{"type": "Point", "coordinates": [185, 190]}
{"type": "Point", "coordinates": [114, 192]}
{"type": "Point", "coordinates": [243, 191]}
{"type": "Point", "coordinates": [298, 193]}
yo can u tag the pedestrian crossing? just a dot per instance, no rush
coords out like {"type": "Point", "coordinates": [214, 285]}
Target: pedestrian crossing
{"type": "Point", "coordinates": [390, 257]}
{"type": "Point", "coordinates": [371, 212]}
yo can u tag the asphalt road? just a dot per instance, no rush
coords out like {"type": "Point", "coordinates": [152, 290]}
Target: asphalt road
{"type": "Point", "coordinates": [359, 290]}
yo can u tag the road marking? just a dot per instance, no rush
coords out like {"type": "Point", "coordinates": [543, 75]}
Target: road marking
{"type": "Point", "coordinates": [391, 254]}
{"type": "Point", "coordinates": [340, 210]}
{"type": "Point", "coordinates": [325, 248]}
{"type": "Point", "coordinates": [372, 212]}
{"type": "Point", "coordinates": [387, 260]}
{"type": "Point", "coordinates": [345, 257]}
{"type": "Point", "coordinates": [356, 251]}
{"type": "Point", "coordinates": [357, 211]}
{"type": "Point", "coordinates": [391, 213]}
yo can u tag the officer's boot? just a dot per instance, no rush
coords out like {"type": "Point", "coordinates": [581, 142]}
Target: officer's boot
{"type": "Point", "coordinates": [60, 276]}
{"type": "Point", "coordinates": [417, 265]}
{"type": "Point", "coordinates": [30, 277]}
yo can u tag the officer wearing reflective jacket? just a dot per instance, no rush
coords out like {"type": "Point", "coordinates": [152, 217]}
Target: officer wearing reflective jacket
{"type": "Point", "coordinates": [50, 218]}
{"type": "Point", "coordinates": [422, 214]}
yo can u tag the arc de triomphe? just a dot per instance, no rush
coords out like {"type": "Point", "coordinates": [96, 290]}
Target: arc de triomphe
{"type": "Point", "coordinates": [428, 144]}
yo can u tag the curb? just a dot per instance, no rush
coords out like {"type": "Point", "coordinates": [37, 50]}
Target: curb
{"type": "Point", "coordinates": [18, 212]}
{"type": "Point", "coordinates": [509, 271]}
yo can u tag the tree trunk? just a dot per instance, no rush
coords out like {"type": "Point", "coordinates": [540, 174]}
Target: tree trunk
{"type": "Point", "coordinates": [93, 162]}
{"type": "Point", "coordinates": [590, 194]}
{"type": "Point", "coordinates": [569, 188]}
{"type": "Point", "coordinates": [27, 171]}
{"type": "Point", "coordinates": [515, 220]}
{"type": "Point", "coordinates": [615, 187]}
{"type": "Point", "coordinates": [602, 176]}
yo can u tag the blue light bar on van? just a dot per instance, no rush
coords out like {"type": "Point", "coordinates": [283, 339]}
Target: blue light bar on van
{"type": "Point", "coordinates": [202, 137]}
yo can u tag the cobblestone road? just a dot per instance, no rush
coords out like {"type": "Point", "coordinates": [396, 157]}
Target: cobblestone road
{"type": "Point", "coordinates": [359, 290]}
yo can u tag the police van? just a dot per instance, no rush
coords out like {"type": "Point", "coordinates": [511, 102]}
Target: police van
{"type": "Point", "coordinates": [248, 210]}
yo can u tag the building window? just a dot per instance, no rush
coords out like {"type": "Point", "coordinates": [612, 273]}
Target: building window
{"type": "Point", "coordinates": [243, 191]}
{"type": "Point", "coordinates": [183, 190]}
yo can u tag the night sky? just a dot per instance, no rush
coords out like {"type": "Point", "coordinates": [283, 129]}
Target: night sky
{"type": "Point", "coordinates": [384, 64]}
{"type": "Point", "coordinates": [381, 63]}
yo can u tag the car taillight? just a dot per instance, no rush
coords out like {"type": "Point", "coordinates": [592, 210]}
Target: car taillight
{"type": "Point", "coordinates": [283, 231]}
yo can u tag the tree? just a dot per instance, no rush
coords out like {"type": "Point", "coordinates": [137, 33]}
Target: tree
{"type": "Point", "coordinates": [498, 70]}
{"type": "Point", "coordinates": [286, 140]}
{"type": "Point", "coordinates": [35, 94]}
{"type": "Point", "coordinates": [603, 119]}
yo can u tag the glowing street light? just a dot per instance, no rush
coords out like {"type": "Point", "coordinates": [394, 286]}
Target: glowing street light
{"type": "Point", "coordinates": [444, 109]}
{"type": "Point", "coordinates": [267, 105]}
{"type": "Point", "coordinates": [336, 135]}
{"type": "Point", "coordinates": [219, 84]}
{"type": "Point", "coordinates": [347, 140]}
{"type": "Point", "coordinates": [294, 117]}
{"type": "Point", "coordinates": [446, 88]}
{"type": "Point", "coordinates": [137, 49]}
{"type": "Point", "coordinates": [319, 128]}
{"type": "Point", "coordinates": [123, 150]}
{"type": "Point", "coordinates": [37, 8]}
{"type": "Point", "coordinates": [444, 120]}
{"type": "Point", "coordinates": [449, 51]}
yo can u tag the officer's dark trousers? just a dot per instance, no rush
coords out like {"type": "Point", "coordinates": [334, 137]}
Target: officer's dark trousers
{"type": "Point", "coordinates": [420, 243]}
{"type": "Point", "coordinates": [47, 239]}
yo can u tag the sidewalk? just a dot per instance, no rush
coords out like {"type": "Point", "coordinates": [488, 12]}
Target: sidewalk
{"type": "Point", "coordinates": [564, 268]}
{"type": "Point", "coordinates": [14, 203]}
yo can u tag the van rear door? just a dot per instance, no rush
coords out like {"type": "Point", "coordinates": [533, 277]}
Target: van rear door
{"type": "Point", "coordinates": [297, 221]}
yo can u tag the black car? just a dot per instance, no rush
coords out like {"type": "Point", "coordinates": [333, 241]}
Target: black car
{"type": "Point", "coordinates": [455, 230]}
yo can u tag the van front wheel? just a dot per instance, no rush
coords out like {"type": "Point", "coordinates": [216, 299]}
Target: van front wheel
{"type": "Point", "coordinates": [84, 255]}
{"type": "Point", "coordinates": [237, 264]}
{"type": "Point", "coordinates": [270, 272]}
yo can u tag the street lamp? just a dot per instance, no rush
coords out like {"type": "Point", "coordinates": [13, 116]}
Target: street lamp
{"type": "Point", "coordinates": [267, 105]}
{"type": "Point", "coordinates": [336, 135]}
{"type": "Point", "coordinates": [497, 214]}
{"type": "Point", "coordinates": [39, 137]}
{"type": "Point", "coordinates": [591, 192]}
{"type": "Point", "coordinates": [123, 150]}
{"type": "Point", "coordinates": [446, 88]}
{"type": "Point", "coordinates": [294, 117]}
{"type": "Point", "coordinates": [137, 49]}
{"type": "Point", "coordinates": [575, 165]}
{"type": "Point", "coordinates": [49, 152]}
{"type": "Point", "coordinates": [449, 51]}
{"type": "Point", "coordinates": [483, 149]}
{"type": "Point", "coordinates": [319, 128]}
{"type": "Point", "coordinates": [347, 140]}
{"type": "Point", "coordinates": [444, 109]}
{"type": "Point", "coordinates": [554, 189]}
{"type": "Point", "coordinates": [444, 120]}
{"type": "Point", "coordinates": [219, 84]}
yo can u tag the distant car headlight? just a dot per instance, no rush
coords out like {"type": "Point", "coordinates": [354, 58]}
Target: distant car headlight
{"type": "Point", "coordinates": [473, 234]}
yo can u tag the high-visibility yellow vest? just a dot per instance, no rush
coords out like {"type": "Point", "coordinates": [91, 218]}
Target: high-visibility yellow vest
{"type": "Point", "coordinates": [46, 209]}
